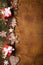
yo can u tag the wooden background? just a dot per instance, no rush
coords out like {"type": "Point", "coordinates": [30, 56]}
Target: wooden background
{"type": "Point", "coordinates": [30, 32]}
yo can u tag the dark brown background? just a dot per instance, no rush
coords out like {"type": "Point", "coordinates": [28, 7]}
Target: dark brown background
{"type": "Point", "coordinates": [30, 32]}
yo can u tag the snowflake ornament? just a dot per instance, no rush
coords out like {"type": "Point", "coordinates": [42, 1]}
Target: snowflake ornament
{"type": "Point", "coordinates": [3, 34]}
{"type": "Point", "coordinates": [6, 62]}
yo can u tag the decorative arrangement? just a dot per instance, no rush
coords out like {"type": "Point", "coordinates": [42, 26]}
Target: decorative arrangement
{"type": "Point", "coordinates": [8, 38]}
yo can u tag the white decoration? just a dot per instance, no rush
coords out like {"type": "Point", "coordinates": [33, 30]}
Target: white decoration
{"type": "Point", "coordinates": [10, 30]}
{"type": "Point", "coordinates": [3, 34]}
{"type": "Point", "coordinates": [13, 38]}
{"type": "Point", "coordinates": [6, 62]}
{"type": "Point", "coordinates": [14, 60]}
{"type": "Point", "coordinates": [13, 23]}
